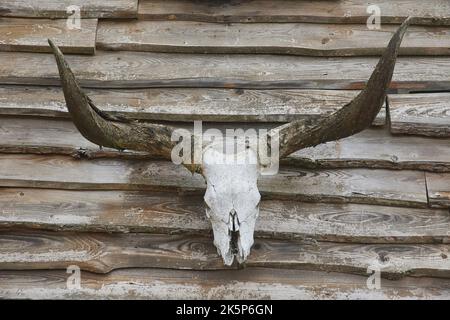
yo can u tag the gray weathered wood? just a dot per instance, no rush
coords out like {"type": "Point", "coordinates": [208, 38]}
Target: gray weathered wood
{"type": "Point", "coordinates": [420, 114]}
{"type": "Point", "coordinates": [309, 39]}
{"type": "Point", "coordinates": [147, 69]}
{"type": "Point", "coordinates": [250, 283]}
{"type": "Point", "coordinates": [169, 213]}
{"type": "Point", "coordinates": [404, 188]}
{"type": "Point", "coordinates": [58, 8]}
{"type": "Point", "coordinates": [31, 35]}
{"type": "Point", "coordinates": [102, 253]}
{"type": "Point", "coordinates": [181, 104]}
{"type": "Point", "coordinates": [438, 187]}
{"type": "Point", "coordinates": [435, 12]}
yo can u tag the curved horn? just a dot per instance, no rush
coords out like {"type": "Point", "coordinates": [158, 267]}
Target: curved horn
{"type": "Point", "coordinates": [108, 130]}
{"type": "Point", "coordinates": [350, 119]}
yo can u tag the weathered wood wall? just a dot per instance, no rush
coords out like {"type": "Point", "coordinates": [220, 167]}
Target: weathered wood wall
{"type": "Point", "coordinates": [135, 225]}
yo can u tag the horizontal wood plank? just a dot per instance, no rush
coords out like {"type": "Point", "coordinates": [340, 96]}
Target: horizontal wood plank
{"type": "Point", "coordinates": [181, 104]}
{"type": "Point", "coordinates": [102, 253]}
{"type": "Point", "coordinates": [59, 8]}
{"type": "Point", "coordinates": [148, 69]}
{"type": "Point", "coordinates": [438, 187]}
{"type": "Point", "coordinates": [308, 39]}
{"type": "Point", "coordinates": [250, 283]}
{"type": "Point", "coordinates": [434, 12]}
{"type": "Point", "coordinates": [31, 35]}
{"type": "Point", "coordinates": [420, 114]}
{"type": "Point", "coordinates": [404, 188]}
{"type": "Point", "coordinates": [168, 213]}
{"type": "Point", "coordinates": [372, 148]}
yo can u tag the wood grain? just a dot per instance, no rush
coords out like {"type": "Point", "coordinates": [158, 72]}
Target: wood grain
{"type": "Point", "coordinates": [404, 188]}
{"type": "Point", "coordinates": [31, 35]}
{"type": "Point", "coordinates": [372, 148]}
{"type": "Point", "coordinates": [147, 69]}
{"type": "Point", "coordinates": [102, 253]}
{"type": "Point", "coordinates": [438, 187]}
{"type": "Point", "coordinates": [184, 104]}
{"type": "Point", "coordinates": [308, 39]}
{"type": "Point", "coordinates": [420, 114]}
{"type": "Point", "coordinates": [434, 12]}
{"type": "Point", "coordinates": [170, 213]}
{"type": "Point", "coordinates": [58, 8]}
{"type": "Point", "coordinates": [250, 283]}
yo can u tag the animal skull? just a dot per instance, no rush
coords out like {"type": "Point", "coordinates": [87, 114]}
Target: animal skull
{"type": "Point", "coordinates": [232, 196]}
{"type": "Point", "coordinates": [232, 199]}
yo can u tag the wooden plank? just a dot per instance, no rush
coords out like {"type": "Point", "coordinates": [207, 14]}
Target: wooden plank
{"type": "Point", "coordinates": [420, 114]}
{"type": "Point", "coordinates": [147, 69]}
{"type": "Point", "coordinates": [250, 283]}
{"type": "Point", "coordinates": [102, 253]}
{"type": "Point", "coordinates": [308, 39]}
{"type": "Point", "coordinates": [184, 104]}
{"type": "Point", "coordinates": [170, 213]}
{"type": "Point", "coordinates": [58, 8]}
{"type": "Point", "coordinates": [404, 188]}
{"type": "Point", "coordinates": [438, 188]}
{"type": "Point", "coordinates": [376, 148]}
{"type": "Point", "coordinates": [434, 12]}
{"type": "Point", "coordinates": [31, 35]}
{"type": "Point", "coordinates": [372, 148]}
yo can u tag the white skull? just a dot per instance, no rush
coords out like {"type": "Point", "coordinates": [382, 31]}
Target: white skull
{"type": "Point", "coordinates": [232, 199]}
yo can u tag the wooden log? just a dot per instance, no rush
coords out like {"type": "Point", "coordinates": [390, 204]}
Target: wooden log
{"type": "Point", "coordinates": [55, 9]}
{"type": "Point", "coordinates": [403, 188]}
{"type": "Point", "coordinates": [181, 104]}
{"type": "Point", "coordinates": [250, 283]}
{"type": "Point", "coordinates": [438, 188]}
{"type": "Point", "coordinates": [420, 114]}
{"type": "Point", "coordinates": [147, 69]}
{"type": "Point", "coordinates": [31, 35]}
{"type": "Point", "coordinates": [434, 12]}
{"type": "Point", "coordinates": [169, 213]}
{"type": "Point", "coordinates": [102, 253]}
{"type": "Point", "coordinates": [376, 148]}
{"type": "Point", "coordinates": [304, 39]}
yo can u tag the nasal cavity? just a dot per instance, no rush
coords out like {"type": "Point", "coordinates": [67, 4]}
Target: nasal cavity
{"type": "Point", "coordinates": [234, 225]}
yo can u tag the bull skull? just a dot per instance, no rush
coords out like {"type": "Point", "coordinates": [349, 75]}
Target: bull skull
{"type": "Point", "coordinates": [232, 196]}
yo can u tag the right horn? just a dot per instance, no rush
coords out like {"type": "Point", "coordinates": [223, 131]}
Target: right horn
{"type": "Point", "coordinates": [350, 119]}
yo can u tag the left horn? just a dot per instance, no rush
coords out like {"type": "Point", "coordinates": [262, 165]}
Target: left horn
{"type": "Point", "coordinates": [350, 119]}
{"type": "Point", "coordinates": [107, 130]}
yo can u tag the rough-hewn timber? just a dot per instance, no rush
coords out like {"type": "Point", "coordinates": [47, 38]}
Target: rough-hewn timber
{"type": "Point", "coordinates": [185, 104]}
{"type": "Point", "coordinates": [58, 8]}
{"type": "Point", "coordinates": [250, 283]}
{"type": "Point", "coordinates": [425, 114]}
{"type": "Point", "coordinates": [31, 35]}
{"type": "Point", "coordinates": [307, 39]}
{"type": "Point", "coordinates": [404, 188]}
{"type": "Point", "coordinates": [102, 253]}
{"type": "Point", "coordinates": [435, 12]}
{"type": "Point", "coordinates": [438, 187]}
{"type": "Point", "coordinates": [148, 69]}
{"type": "Point", "coordinates": [139, 211]}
